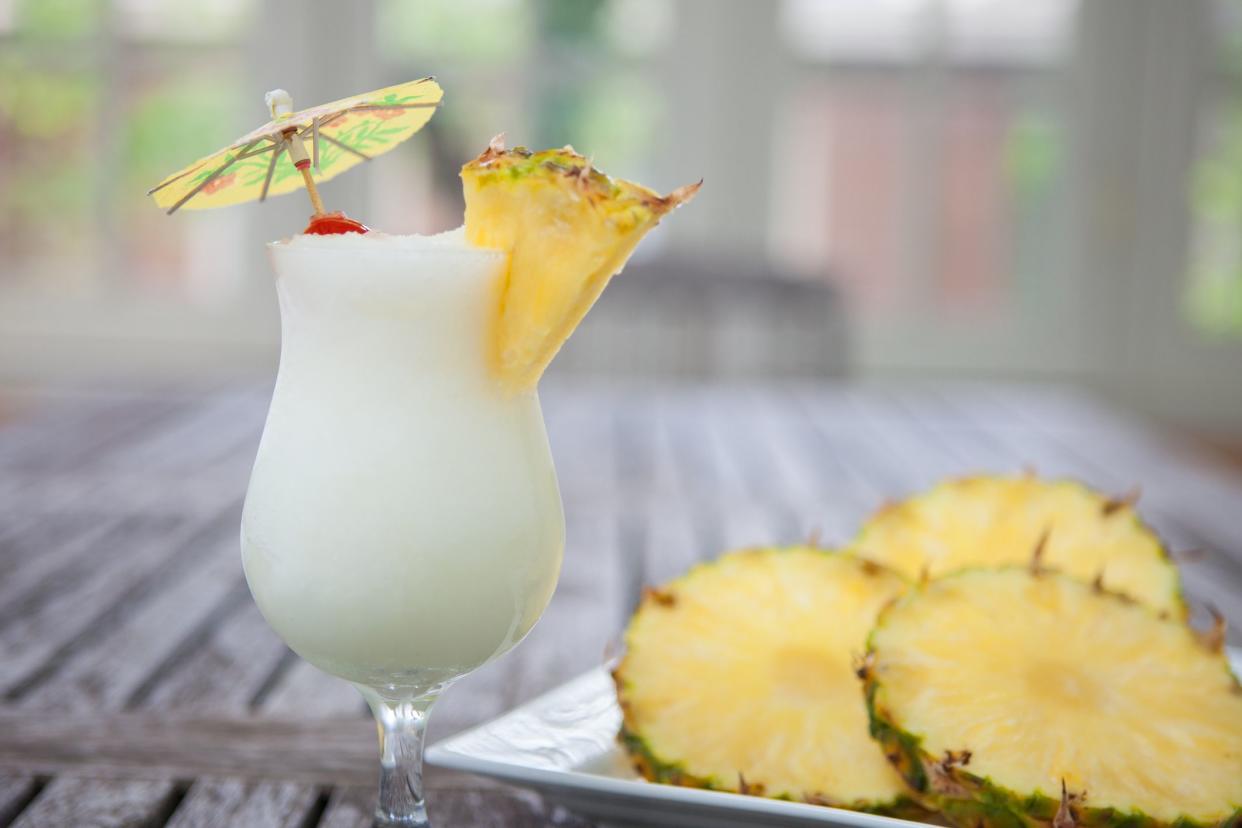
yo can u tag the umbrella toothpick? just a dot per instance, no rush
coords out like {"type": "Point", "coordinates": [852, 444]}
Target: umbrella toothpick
{"type": "Point", "coordinates": [252, 167]}
{"type": "Point", "coordinates": [297, 152]}
{"type": "Point", "coordinates": [312, 190]}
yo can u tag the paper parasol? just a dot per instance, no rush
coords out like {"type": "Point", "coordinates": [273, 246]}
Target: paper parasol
{"type": "Point", "coordinates": [273, 160]}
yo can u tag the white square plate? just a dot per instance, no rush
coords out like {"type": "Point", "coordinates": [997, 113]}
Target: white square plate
{"type": "Point", "coordinates": [563, 745]}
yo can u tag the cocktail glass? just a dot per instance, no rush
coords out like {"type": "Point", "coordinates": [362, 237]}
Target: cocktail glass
{"type": "Point", "coordinates": [403, 524]}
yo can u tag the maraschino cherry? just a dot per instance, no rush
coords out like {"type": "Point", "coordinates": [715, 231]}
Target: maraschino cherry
{"type": "Point", "coordinates": [331, 224]}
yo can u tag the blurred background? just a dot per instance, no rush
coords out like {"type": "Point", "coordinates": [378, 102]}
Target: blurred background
{"type": "Point", "coordinates": [896, 189]}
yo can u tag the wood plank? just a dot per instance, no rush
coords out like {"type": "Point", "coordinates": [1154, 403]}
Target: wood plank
{"type": "Point", "coordinates": [226, 671]}
{"type": "Point", "coordinates": [671, 544]}
{"type": "Point", "coordinates": [737, 437]}
{"type": "Point", "coordinates": [849, 438]}
{"type": "Point", "coordinates": [306, 691]}
{"type": "Point", "coordinates": [453, 806]}
{"type": "Point", "coordinates": [223, 428]}
{"type": "Point", "coordinates": [694, 462]}
{"type": "Point", "coordinates": [106, 675]}
{"type": "Point", "coordinates": [104, 495]}
{"type": "Point", "coordinates": [1108, 439]}
{"type": "Point", "coordinates": [128, 562]}
{"type": "Point", "coordinates": [151, 745]}
{"type": "Point", "coordinates": [93, 803]}
{"type": "Point", "coordinates": [108, 586]}
{"type": "Point", "coordinates": [351, 808]}
{"type": "Point", "coordinates": [209, 802]}
{"type": "Point", "coordinates": [643, 473]}
{"type": "Point", "coordinates": [71, 433]}
{"type": "Point", "coordinates": [580, 431]}
{"type": "Point", "coordinates": [748, 525]}
{"type": "Point", "coordinates": [793, 457]}
{"type": "Point", "coordinates": [16, 789]}
{"type": "Point", "coordinates": [213, 802]}
{"type": "Point", "coordinates": [242, 664]}
{"type": "Point", "coordinates": [28, 559]}
{"type": "Point", "coordinates": [824, 495]}
{"type": "Point", "coordinates": [881, 421]}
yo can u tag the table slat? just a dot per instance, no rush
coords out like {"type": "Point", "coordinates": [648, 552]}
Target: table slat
{"type": "Point", "coordinates": [214, 802]}
{"type": "Point", "coordinates": [94, 803]}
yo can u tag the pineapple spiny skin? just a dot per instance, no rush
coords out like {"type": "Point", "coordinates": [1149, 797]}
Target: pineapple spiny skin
{"type": "Point", "coordinates": [649, 764]}
{"type": "Point", "coordinates": [970, 800]}
{"type": "Point", "coordinates": [627, 203]}
{"type": "Point", "coordinates": [653, 769]}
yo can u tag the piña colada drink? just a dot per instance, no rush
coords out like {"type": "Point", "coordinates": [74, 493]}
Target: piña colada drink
{"type": "Point", "coordinates": [403, 524]}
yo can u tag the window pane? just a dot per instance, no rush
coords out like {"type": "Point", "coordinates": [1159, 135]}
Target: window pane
{"type": "Point", "coordinates": [844, 30]}
{"type": "Point", "coordinates": [184, 20]}
{"type": "Point", "coordinates": [57, 18]}
{"type": "Point", "coordinates": [442, 30]}
{"type": "Point", "coordinates": [925, 155]}
{"type": "Point", "coordinates": [843, 195]}
{"type": "Point", "coordinates": [901, 31]}
{"type": "Point", "coordinates": [173, 111]}
{"type": "Point", "coordinates": [1213, 301]}
{"type": "Point", "coordinates": [1009, 31]}
{"type": "Point", "coordinates": [46, 164]}
{"type": "Point", "coordinates": [996, 219]}
{"type": "Point", "coordinates": [1214, 296]}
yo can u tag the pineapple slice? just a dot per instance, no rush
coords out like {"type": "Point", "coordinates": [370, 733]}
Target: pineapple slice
{"type": "Point", "coordinates": [1016, 697]}
{"type": "Point", "coordinates": [999, 521]}
{"type": "Point", "coordinates": [739, 676]}
{"type": "Point", "coordinates": [568, 228]}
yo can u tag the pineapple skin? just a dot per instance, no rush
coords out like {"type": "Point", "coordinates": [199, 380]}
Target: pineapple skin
{"type": "Point", "coordinates": [968, 800]}
{"type": "Point", "coordinates": [653, 769]}
{"type": "Point", "coordinates": [1173, 601]}
{"type": "Point", "coordinates": [971, 801]}
{"type": "Point", "coordinates": [648, 764]}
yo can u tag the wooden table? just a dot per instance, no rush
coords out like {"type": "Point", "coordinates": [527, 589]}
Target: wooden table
{"type": "Point", "coordinates": [139, 686]}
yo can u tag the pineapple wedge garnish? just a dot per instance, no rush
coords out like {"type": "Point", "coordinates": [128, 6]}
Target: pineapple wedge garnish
{"type": "Point", "coordinates": [739, 676]}
{"type": "Point", "coordinates": [1000, 521]}
{"type": "Point", "coordinates": [1022, 698]}
{"type": "Point", "coordinates": [568, 228]}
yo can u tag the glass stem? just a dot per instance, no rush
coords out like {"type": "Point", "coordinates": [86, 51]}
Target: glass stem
{"type": "Point", "coordinates": [402, 727]}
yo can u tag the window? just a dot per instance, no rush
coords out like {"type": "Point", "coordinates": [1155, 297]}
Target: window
{"type": "Point", "coordinates": [921, 156]}
{"type": "Point", "coordinates": [1213, 299]}
{"type": "Point", "coordinates": [100, 101]}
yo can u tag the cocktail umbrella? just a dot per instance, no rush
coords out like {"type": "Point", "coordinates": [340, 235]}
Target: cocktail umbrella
{"type": "Point", "coordinates": [272, 159]}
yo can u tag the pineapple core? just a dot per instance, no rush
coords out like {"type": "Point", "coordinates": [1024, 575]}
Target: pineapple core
{"type": "Point", "coordinates": [568, 228]}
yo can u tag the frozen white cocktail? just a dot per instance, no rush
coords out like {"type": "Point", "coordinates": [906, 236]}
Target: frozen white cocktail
{"type": "Point", "coordinates": [403, 524]}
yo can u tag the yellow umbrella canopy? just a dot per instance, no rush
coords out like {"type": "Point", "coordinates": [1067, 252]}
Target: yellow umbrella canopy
{"type": "Point", "coordinates": [273, 160]}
